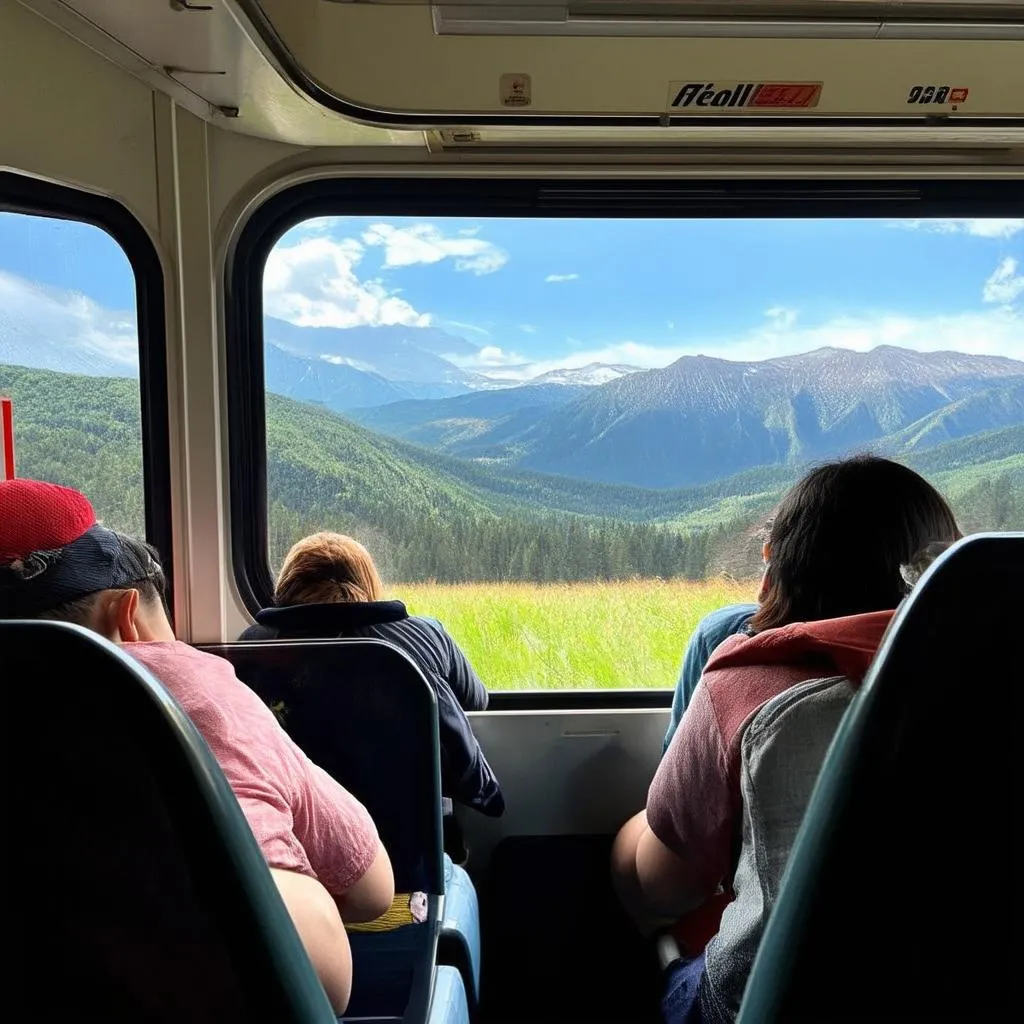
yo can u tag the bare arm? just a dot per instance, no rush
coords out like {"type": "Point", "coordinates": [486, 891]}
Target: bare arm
{"type": "Point", "coordinates": [318, 923]}
{"type": "Point", "coordinates": [371, 894]}
{"type": "Point", "coordinates": [655, 886]}
{"type": "Point", "coordinates": [671, 857]}
{"type": "Point", "coordinates": [671, 887]}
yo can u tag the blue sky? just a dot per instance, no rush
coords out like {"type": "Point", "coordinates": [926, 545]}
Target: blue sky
{"type": "Point", "coordinates": [565, 292]}
{"type": "Point", "coordinates": [646, 291]}
{"type": "Point", "coordinates": [67, 255]}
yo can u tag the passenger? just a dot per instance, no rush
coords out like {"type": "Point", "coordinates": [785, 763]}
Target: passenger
{"type": "Point", "coordinates": [58, 563]}
{"type": "Point", "coordinates": [708, 634]}
{"type": "Point", "coordinates": [329, 587]}
{"type": "Point", "coordinates": [735, 618]}
{"type": "Point", "coordinates": [835, 552]}
{"type": "Point", "coordinates": [783, 748]}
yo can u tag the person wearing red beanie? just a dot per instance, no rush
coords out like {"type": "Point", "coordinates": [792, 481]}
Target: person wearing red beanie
{"type": "Point", "coordinates": [58, 562]}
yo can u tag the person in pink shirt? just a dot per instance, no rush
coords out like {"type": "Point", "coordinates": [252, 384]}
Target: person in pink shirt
{"type": "Point", "coordinates": [834, 575]}
{"type": "Point", "coordinates": [57, 562]}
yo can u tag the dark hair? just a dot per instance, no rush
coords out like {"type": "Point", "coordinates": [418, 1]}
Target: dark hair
{"type": "Point", "coordinates": [151, 588]}
{"type": "Point", "coordinates": [840, 536]}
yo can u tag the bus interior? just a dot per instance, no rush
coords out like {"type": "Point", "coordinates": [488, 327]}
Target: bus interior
{"type": "Point", "coordinates": [546, 303]}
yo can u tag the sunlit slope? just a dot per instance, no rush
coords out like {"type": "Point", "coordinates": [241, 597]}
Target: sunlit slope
{"type": "Point", "coordinates": [82, 432]}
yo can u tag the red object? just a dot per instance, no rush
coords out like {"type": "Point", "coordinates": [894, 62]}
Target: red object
{"type": "Point", "coordinates": [6, 439]}
{"type": "Point", "coordinates": [786, 94]}
{"type": "Point", "coordinates": [37, 516]}
{"type": "Point", "coordinates": [694, 931]}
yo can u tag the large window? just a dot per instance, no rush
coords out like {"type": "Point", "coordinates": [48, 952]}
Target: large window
{"type": "Point", "coordinates": [562, 436]}
{"type": "Point", "coordinates": [70, 355]}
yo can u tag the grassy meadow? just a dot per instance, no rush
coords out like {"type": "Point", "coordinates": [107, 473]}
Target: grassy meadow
{"type": "Point", "coordinates": [559, 636]}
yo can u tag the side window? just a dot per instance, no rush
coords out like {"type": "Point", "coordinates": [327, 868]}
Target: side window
{"type": "Point", "coordinates": [562, 437]}
{"type": "Point", "coordinates": [69, 362]}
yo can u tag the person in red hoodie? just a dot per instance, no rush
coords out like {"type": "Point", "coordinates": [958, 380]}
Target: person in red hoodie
{"type": "Point", "coordinates": [833, 580]}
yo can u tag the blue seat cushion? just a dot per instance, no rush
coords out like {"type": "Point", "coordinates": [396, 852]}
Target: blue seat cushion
{"type": "Point", "coordinates": [459, 942]}
{"type": "Point", "coordinates": [449, 1005]}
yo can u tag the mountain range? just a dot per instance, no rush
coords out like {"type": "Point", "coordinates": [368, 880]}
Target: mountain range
{"type": "Point", "coordinates": [702, 418]}
{"type": "Point", "coordinates": [695, 421]}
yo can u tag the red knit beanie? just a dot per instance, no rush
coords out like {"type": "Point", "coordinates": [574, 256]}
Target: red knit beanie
{"type": "Point", "coordinates": [37, 516]}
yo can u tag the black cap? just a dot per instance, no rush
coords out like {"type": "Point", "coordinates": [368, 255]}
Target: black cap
{"type": "Point", "coordinates": [98, 560]}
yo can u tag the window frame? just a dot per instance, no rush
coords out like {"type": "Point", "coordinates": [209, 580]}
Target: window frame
{"type": "Point", "coordinates": [459, 195]}
{"type": "Point", "coordinates": [33, 197]}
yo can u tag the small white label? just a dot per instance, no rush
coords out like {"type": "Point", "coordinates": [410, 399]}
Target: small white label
{"type": "Point", "coordinates": [515, 90]}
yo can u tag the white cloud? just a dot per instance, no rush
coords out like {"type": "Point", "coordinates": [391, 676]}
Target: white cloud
{"type": "Point", "coordinates": [357, 364]}
{"type": "Point", "coordinates": [781, 317]}
{"type": "Point", "coordinates": [61, 329]}
{"type": "Point", "coordinates": [493, 356]}
{"type": "Point", "coordinates": [1005, 285]}
{"type": "Point", "coordinates": [983, 227]}
{"type": "Point", "coordinates": [528, 328]}
{"type": "Point", "coordinates": [313, 283]}
{"type": "Point", "coordinates": [426, 243]}
{"type": "Point", "coordinates": [460, 326]}
{"type": "Point", "coordinates": [316, 227]}
{"type": "Point", "coordinates": [560, 278]}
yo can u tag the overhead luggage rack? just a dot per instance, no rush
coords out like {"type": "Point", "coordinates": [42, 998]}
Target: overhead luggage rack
{"type": "Point", "coordinates": [645, 63]}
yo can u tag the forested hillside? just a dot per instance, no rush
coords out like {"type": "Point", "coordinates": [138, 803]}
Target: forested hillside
{"type": "Point", "coordinates": [428, 516]}
{"type": "Point", "coordinates": [427, 519]}
{"type": "Point", "coordinates": [83, 432]}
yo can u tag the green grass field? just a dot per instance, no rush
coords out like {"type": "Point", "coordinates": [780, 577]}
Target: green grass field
{"type": "Point", "coordinates": [522, 636]}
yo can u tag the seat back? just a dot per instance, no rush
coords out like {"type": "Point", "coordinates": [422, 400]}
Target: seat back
{"type": "Point", "coordinates": [362, 710]}
{"type": "Point", "coordinates": [138, 890]}
{"type": "Point", "coordinates": [894, 903]}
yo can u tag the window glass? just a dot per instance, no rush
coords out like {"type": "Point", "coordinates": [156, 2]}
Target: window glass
{"type": "Point", "coordinates": [69, 360]}
{"type": "Point", "coordinates": [561, 438]}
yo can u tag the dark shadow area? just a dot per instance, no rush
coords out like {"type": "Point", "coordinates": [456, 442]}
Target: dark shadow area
{"type": "Point", "coordinates": [558, 945]}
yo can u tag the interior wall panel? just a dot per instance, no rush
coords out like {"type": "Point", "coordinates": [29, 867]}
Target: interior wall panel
{"type": "Point", "coordinates": [71, 116]}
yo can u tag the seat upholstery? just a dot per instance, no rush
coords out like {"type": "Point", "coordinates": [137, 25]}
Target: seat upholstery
{"type": "Point", "coordinates": [894, 903]}
{"type": "Point", "coordinates": [362, 710]}
{"type": "Point", "coordinates": [136, 889]}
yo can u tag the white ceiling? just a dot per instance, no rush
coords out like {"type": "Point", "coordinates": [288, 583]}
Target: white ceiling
{"type": "Point", "coordinates": [210, 61]}
{"type": "Point", "coordinates": [201, 54]}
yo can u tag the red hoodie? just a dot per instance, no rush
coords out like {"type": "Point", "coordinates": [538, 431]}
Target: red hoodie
{"type": "Point", "coordinates": [694, 805]}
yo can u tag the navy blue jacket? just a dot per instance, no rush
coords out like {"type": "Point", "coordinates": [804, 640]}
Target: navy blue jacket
{"type": "Point", "coordinates": [465, 774]}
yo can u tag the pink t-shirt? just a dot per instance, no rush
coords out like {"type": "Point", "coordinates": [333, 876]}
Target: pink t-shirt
{"type": "Point", "coordinates": [303, 820]}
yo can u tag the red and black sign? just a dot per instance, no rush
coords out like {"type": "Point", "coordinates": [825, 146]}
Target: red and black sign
{"type": "Point", "coordinates": [731, 95]}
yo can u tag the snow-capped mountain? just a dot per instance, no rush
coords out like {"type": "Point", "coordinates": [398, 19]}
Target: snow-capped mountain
{"type": "Point", "coordinates": [587, 376]}
{"type": "Point", "coordinates": [703, 418]}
